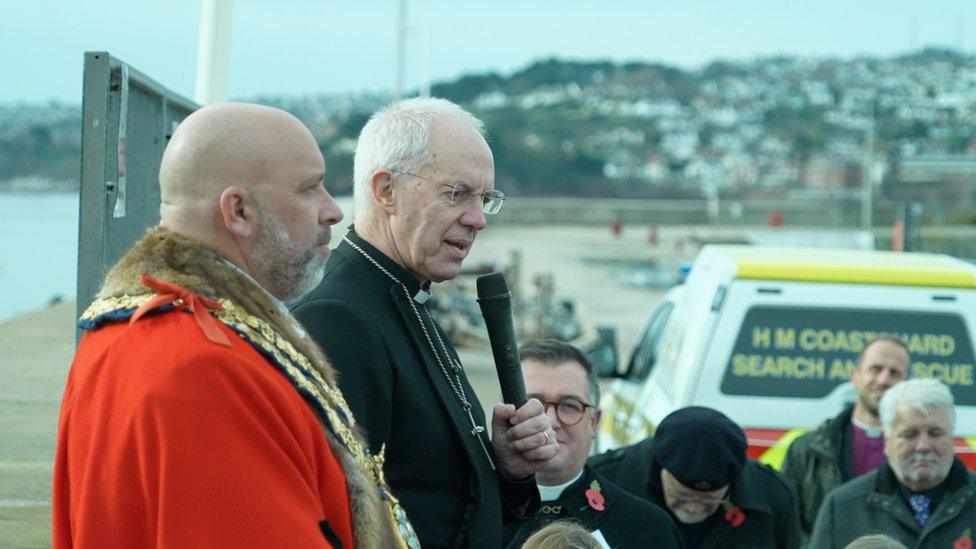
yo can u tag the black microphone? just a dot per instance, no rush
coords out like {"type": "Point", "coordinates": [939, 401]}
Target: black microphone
{"type": "Point", "coordinates": [496, 307]}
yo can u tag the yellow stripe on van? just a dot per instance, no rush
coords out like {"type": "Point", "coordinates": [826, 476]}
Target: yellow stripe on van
{"type": "Point", "coordinates": [865, 274]}
{"type": "Point", "coordinates": [971, 441]}
{"type": "Point", "coordinates": [850, 266]}
{"type": "Point", "coordinates": [777, 452]}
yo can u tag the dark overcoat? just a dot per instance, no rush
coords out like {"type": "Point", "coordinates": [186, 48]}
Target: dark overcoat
{"type": "Point", "coordinates": [819, 461]}
{"type": "Point", "coordinates": [872, 504]}
{"type": "Point", "coordinates": [625, 521]}
{"type": "Point", "coordinates": [768, 501]}
{"type": "Point", "coordinates": [391, 379]}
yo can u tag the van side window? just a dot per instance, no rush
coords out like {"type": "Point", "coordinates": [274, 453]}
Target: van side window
{"type": "Point", "coordinates": [646, 352]}
{"type": "Point", "coordinates": [806, 352]}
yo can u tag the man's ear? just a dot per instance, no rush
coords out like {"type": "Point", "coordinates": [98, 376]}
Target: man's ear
{"type": "Point", "coordinates": [237, 211]}
{"type": "Point", "coordinates": [595, 420]}
{"type": "Point", "coordinates": [381, 185]}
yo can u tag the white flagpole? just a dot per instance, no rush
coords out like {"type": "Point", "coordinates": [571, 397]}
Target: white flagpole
{"type": "Point", "coordinates": [213, 51]}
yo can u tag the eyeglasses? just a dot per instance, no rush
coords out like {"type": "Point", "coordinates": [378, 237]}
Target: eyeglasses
{"type": "Point", "coordinates": [685, 500]}
{"type": "Point", "coordinates": [569, 410]}
{"type": "Point", "coordinates": [462, 193]}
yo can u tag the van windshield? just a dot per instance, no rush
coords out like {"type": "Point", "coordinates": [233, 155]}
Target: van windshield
{"type": "Point", "coordinates": [807, 352]}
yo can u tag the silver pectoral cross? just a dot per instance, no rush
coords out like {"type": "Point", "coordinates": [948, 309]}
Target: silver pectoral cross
{"type": "Point", "coordinates": [476, 431]}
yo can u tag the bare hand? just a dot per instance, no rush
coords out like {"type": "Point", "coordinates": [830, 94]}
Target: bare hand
{"type": "Point", "coordinates": [523, 439]}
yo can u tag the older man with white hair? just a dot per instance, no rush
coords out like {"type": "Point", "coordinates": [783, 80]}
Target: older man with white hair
{"type": "Point", "coordinates": [923, 496]}
{"type": "Point", "coordinates": [424, 184]}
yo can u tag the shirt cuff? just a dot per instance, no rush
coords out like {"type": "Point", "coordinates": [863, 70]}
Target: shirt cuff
{"type": "Point", "coordinates": [519, 495]}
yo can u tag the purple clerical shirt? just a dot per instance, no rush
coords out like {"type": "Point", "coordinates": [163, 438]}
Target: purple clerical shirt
{"type": "Point", "coordinates": [868, 449]}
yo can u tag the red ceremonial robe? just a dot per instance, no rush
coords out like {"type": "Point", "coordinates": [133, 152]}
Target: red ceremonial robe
{"type": "Point", "coordinates": [187, 427]}
{"type": "Point", "coordinates": [196, 444]}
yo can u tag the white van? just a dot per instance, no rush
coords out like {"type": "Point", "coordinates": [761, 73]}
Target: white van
{"type": "Point", "coordinates": [769, 336]}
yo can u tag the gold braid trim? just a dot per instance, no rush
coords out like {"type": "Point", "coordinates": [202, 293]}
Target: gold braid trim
{"type": "Point", "coordinates": [301, 372]}
{"type": "Point", "coordinates": [117, 304]}
{"type": "Point", "coordinates": [329, 398]}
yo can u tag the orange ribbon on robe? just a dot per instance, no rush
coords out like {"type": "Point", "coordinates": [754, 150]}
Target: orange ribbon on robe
{"type": "Point", "coordinates": [167, 292]}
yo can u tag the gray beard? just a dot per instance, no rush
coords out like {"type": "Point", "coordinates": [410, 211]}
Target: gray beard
{"type": "Point", "coordinates": [291, 270]}
{"type": "Point", "coordinates": [688, 518]}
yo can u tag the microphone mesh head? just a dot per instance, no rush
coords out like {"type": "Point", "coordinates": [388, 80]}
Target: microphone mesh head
{"type": "Point", "coordinates": [491, 285]}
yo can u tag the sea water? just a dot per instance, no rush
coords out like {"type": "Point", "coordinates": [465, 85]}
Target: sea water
{"type": "Point", "coordinates": [38, 250]}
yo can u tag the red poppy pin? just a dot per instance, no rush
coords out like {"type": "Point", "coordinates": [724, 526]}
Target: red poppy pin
{"type": "Point", "coordinates": [965, 541]}
{"type": "Point", "coordinates": [733, 515]}
{"type": "Point", "coordinates": [594, 496]}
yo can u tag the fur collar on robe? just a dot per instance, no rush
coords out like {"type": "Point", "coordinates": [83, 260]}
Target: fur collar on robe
{"type": "Point", "coordinates": [167, 256]}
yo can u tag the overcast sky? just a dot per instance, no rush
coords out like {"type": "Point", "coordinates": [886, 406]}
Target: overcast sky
{"type": "Point", "coordinates": [319, 46]}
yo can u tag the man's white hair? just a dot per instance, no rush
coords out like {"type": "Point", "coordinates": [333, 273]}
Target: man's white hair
{"type": "Point", "coordinates": [921, 394]}
{"type": "Point", "coordinates": [397, 139]}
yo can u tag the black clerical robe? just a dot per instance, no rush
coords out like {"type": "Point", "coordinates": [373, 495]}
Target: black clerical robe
{"type": "Point", "coordinates": [389, 374]}
{"type": "Point", "coordinates": [622, 519]}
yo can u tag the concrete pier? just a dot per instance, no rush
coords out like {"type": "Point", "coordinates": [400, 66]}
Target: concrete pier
{"type": "Point", "coordinates": [36, 353]}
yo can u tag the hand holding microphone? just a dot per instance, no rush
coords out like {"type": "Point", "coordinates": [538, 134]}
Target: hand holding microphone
{"type": "Point", "coordinates": [522, 438]}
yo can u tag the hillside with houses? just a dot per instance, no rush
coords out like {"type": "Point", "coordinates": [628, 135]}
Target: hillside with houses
{"type": "Point", "coordinates": [776, 126]}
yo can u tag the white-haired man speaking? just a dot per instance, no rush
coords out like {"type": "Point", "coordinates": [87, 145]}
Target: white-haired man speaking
{"type": "Point", "coordinates": [923, 496]}
{"type": "Point", "coordinates": [424, 184]}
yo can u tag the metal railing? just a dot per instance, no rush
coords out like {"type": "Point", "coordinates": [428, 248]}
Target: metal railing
{"type": "Point", "coordinates": [127, 119]}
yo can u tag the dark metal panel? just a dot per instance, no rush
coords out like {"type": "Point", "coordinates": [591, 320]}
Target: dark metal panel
{"type": "Point", "coordinates": [127, 115]}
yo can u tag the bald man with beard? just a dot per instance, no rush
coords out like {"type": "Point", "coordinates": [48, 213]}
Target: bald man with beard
{"type": "Point", "coordinates": [197, 413]}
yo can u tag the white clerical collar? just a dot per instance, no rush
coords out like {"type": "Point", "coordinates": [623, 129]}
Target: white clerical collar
{"type": "Point", "coordinates": [552, 493]}
{"type": "Point", "coordinates": [870, 431]}
{"type": "Point", "coordinates": [422, 295]}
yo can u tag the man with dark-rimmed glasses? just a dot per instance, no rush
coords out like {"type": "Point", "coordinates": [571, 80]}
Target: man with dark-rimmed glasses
{"type": "Point", "coordinates": [696, 467]}
{"type": "Point", "coordinates": [563, 379]}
